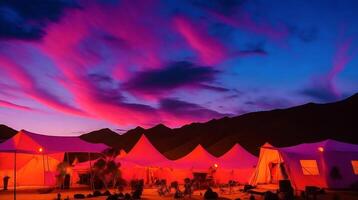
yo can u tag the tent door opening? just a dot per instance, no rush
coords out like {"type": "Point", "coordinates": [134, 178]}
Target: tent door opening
{"type": "Point", "coordinates": [277, 172]}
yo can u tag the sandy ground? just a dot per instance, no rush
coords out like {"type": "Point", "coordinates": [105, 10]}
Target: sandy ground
{"type": "Point", "coordinates": [151, 194]}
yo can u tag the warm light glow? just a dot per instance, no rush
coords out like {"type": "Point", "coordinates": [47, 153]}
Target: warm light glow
{"type": "Point", "coordinates": [216, 165]}
{"type": "Point", "coordinates": [309, 167]}
{"type": "Point", "coordinates": [355, 166]}
{"type": "Point", "coordinates": [68, 170]}
{"type": "Point", "coordinates": [320, 149]}
{"type": "Point", "coordinates": [40, 149]}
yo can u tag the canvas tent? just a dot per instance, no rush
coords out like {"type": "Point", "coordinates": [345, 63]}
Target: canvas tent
{"type": "Point", "coordinates": [36, 157]}
{"type": "Point", "coordinates": [84, 167]}
{"type": "Point", "coordinates": [237, 164]}
{"type": "Point", "coordinates": [198, 160]}
{"type": "Point", "coordinates": [326, 164]}
{"type": "Point", "coordinates": [145, 154]}
{"type": "Point", "coordinates": [144, 161]}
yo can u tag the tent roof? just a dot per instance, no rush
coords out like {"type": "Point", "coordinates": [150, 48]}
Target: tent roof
{"type": "Point", "coordinates": [27, 142]}
{"type": "Point", "coordinates": [199, 158]}
{"type": "Point", "coordinates": [267, 145]}
{"type": "Point", "coordinates": [327, 145]}
{"type": "Point", "coordinates": [144, 153]}
{"type": "Point", "coordinates": [237, 157]}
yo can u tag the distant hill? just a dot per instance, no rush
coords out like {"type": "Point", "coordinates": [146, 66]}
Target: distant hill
{"type": "Point", "coordinates": [6, 132]}
{"type": "Point", "coordinates": [282, 127]}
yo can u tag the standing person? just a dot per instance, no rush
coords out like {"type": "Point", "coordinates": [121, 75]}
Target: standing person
{"type": "Point", "coordinates": [187, 187]}
{"type": "Point", "coordinates": [5, 181]}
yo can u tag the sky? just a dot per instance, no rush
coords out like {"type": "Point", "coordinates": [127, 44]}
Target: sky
{"type": "Point", "coordinates": [72, 66]}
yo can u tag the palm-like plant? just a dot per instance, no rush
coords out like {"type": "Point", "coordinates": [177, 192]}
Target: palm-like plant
{"type": "Point", "coordinates": [62, 169]}
{"type": "Point", "coordinates": [107, 171]}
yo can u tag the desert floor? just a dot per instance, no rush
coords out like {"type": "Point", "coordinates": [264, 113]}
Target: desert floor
{"type": "Point", "coordinates": [151, 194]}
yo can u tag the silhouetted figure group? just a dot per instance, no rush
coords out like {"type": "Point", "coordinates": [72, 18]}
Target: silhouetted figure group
{"type": "Point", "coordinates": [137, 188]}
{"type": "Point", "coordinates": [121, 196]}
{"type": "Point", "coordinates": [188, 187]}
{"type": "Point", "coordinates": [210, 194]}
{"type": "Point", "coordinates": [163, 189]}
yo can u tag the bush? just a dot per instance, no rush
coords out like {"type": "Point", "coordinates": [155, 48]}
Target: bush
{"type": "Point", "coordinates": [79, 196]}
{"type": "Point", "coordinates": [107, 172]}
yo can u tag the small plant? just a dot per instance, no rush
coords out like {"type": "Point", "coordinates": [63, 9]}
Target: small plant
{"type": "Point", "coordinates": [107, 171]}
{"type": "Point", "coordinates": [62, 170]}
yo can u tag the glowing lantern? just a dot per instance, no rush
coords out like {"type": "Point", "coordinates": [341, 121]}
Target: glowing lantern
{"type": "Point", "coordinates": [40, 149]}
{"type": "Point", "coordinates": [320, 149]}
{"type": "Point", "coordinates": [68, 170]}
{"type": "Point", "coordinates": [216, 165]}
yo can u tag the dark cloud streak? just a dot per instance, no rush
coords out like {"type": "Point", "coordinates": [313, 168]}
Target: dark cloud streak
{"type": "Point", "coordinates": [187, 110]}
{"type": "Point", "coordinates": [26, 20]}
{"type": "Point", "coordinates": [175, 75]}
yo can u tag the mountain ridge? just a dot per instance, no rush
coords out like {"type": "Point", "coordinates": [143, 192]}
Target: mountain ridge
{"type": "Point", "coordinates": [309, 122]}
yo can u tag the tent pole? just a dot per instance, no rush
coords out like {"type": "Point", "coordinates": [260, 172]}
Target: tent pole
{"type": "Point", "coordinates": [48, 164]}
{"type": "Point", "coordinates": [90, 163]}
{"type": "Point", "coordinates": [68, 158]}
{"type": "Point", "coordinates": [43, 166]}
{"type": "Point", "coordinates": [15, 175]}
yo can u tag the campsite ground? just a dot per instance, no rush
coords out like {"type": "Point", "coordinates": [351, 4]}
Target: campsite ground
{"type": "Point", "coordinates": [151, 194]}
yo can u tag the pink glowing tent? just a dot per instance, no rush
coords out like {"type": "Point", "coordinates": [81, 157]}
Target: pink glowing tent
{"type": "Point", "coordinates": [198, 159]}
{"type": "Point", "coordinates": [326, 164]}
{"type": "Point", "coordinates": [35, 157]}
{"type": "Point", "coordinates": [144, 161]}
{"type": "Point", "coordinates": [144, 154]}
{"type": "Point", "coordinates": [236, 164]}
{"type": "Point", "coordinates": [27, 142]}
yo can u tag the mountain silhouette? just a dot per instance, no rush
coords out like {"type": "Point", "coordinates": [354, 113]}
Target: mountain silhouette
{"type": "Point", "coordinates": [281, 127]}
{"type": "Point", "coordinates": [6, 132]}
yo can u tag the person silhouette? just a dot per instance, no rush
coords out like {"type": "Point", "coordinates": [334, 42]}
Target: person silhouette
{"type": "Point", "coordinates": [6, 181]}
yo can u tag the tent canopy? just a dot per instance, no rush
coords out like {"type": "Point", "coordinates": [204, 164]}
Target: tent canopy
{"type": "Point", "coordinates": [32, 143]}
{"type": "Point", "coordinates": [199, 158]}
{"type": "Point", "coordinates": [308, 164]}
{"type": "Point", "coordinates": [237, 157]}
{"type": "Point", "coordinates": [326, 146]}
{"type": "Point", "coordinates": [144, 153]}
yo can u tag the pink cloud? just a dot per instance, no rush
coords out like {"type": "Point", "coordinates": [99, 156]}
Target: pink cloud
{"type": "Point", "coordinates": [340, 61]}
{"type": "Point", "coordinates": [28, 85]}
{"type": "Point", "coordinates": [110, 107]}
{"type": "Point", "coordinates": [243, 20]}
{"type": "Point", "coordinates": [324, 87]}
{"type": "Point", "coordinates": [85, 39]}
{"type": "Point", "coordinates": [341, 58]}
{"type": "Point", "coordinates": [7, 104]}
{"type": "Point", "coordinates": [134, 42]}
{"type": "Point", "coordinates": [210, 50]}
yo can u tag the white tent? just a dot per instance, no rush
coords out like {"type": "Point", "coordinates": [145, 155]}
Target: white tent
{"type": "Point", "coordinates": [326, 164]}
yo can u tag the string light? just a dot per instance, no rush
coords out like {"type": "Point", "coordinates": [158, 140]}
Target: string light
{"type": "Point", "coordinates": [320, 149]}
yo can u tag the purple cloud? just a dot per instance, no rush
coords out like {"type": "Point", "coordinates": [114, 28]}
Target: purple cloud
{"type": "Point", "coordinates": [323, 88]}
{"type": "Point", "coordinates": [175, 75]}
{"type": "Point", "coordinates": [178, 110]}
{"type": "Point", "coordinates": [7, 104]}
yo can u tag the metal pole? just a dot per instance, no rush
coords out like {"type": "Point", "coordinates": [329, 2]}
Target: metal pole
{"type": "Point", "coordinates": [47, 162]}
{"type": "Point", "coordinates": [90, 163]}
{"type": "Point", "coordinates": [43, 165]}
{"type": "Point", "coordinates": [15, 175]}
{"type": "Point", "coordinates": [68, 158]}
